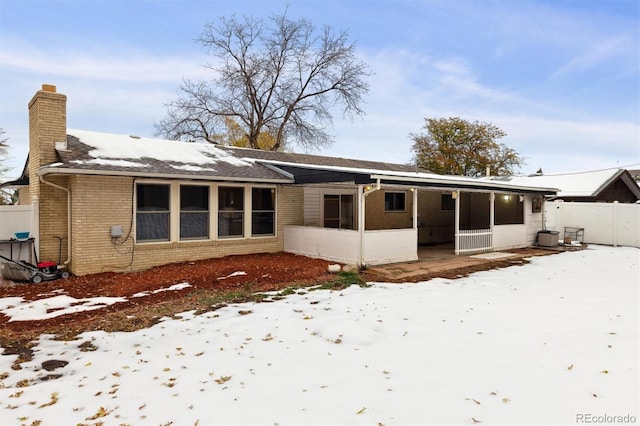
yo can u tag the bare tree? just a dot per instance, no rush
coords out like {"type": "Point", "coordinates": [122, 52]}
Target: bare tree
{"type": "Point", "coordinates": [4, 152]}
{"type": "Point", "coordinates": [5, 195]}
{"type": "Point", "coordinates": [281, 78]}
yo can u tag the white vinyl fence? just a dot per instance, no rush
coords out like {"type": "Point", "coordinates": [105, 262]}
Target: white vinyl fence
{"type": "Point", "coordinates": [14, 219]}
{"type": "Point", "coordinates": [615, 224]}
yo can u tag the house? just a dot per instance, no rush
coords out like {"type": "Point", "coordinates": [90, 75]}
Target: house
{"type": "Point", "coordinates": [601, 186]}
{"type": "Point", "coordinates": [123, 202]}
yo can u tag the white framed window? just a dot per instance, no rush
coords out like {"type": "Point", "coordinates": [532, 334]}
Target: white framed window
{"type": "Point", "coordinates": [187, 211]}
{"type": "Point", "coordinates": [395, 201]}
{"type": "Point", "coordinates": [230, 211]}
{"type": "Point", "coordinates": [338, 211]}
{"type": "Point", "coordinates": [153, 212]}
{"type": "Point", "coordinates": [263, 211]}
{"type": "Point", "coordinates": [194, 212]}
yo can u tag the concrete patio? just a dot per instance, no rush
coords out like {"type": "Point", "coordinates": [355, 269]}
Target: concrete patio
{"type": "Point", "coordinates": [440, 261]}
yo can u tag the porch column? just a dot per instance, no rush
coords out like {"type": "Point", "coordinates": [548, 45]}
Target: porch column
{"type": "Point", "coordinates": [492, 213]}
{"type": "Point", "coordinates": [457, 223]}
{"type": "Point", "coordinates": [415, 208]}
{"type": "Point", "coordinates": [361, 224]}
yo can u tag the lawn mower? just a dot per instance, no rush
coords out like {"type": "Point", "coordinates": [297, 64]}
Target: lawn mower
{"type": "Point", "coordinates": [21, 270]}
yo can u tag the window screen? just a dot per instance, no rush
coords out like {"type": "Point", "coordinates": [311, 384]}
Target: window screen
{"type": "Point", "coordinates": [263, 201]}
{"type": "Point", "coordinates": [152, 212]}
{"type": "Point", "coordinates": [230, 211]}
{"type": "Point", "coordinates": [194, 212]}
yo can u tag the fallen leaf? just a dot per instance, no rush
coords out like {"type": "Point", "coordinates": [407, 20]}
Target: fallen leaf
{"type": "Point", "coordinates": [223, 379]}
{"type": "Point", "coordinates": [506, 400]}
{"type": "Point", "coordinates": [101, 413]}
{"type": "Point", "coordinates": [361, 410]}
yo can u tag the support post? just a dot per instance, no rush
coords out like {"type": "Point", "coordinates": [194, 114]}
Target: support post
{"type": "Point", "coordinates": [457, 224]}
{"type": "Point", "coordinates": [492, 214]}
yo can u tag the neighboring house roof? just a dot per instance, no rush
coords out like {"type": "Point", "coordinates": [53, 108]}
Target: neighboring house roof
{"type": "Point", "coordinates": [88, 152]}
{"type": "Point", "coordinates": [577, 185]}
{"type": "Point", "coordinates": [22, 181]}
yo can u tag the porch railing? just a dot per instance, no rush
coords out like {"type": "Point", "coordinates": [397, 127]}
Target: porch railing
{"type": "Point", "coordinates": [473, 241]}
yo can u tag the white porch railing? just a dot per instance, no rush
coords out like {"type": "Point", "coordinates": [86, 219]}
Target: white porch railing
{"type": "Point", "coordinates": [473, 240]}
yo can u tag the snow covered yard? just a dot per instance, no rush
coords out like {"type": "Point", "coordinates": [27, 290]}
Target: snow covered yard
{"type": "Point", "coordinates": [550, 342]}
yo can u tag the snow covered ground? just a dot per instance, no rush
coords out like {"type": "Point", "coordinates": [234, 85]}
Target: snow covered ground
{"type": "Point", "coordinates": [551, 342]}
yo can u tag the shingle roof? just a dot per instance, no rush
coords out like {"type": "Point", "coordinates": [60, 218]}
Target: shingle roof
{"type": "Point", "coordinates": [101, 153]}
{"type": "Point", "coordinates": [135, 156]}
{"type": "Point", "coordinates": [104, 153]}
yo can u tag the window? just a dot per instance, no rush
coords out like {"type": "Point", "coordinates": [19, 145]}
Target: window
{"type": "Point", "coordinates": [447, 202]}
{"type": "Point", "coordinates": [338, 211]}
{"type": "Point", "coordinates": [152, 212]}
{"type": "Point", "coordinates": [509, 209]}
{"type": "Point", "coordinates": [230, 211]}
{"type": "Point", "coordinates": [394, 202]}
{"type": "Point", "coordinates": [263, 211]}
{"type": "Point", "coordinates": [194, 212]}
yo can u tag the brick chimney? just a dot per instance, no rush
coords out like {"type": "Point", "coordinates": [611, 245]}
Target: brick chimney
{"type": "Point", "coordinates": [47, 125]}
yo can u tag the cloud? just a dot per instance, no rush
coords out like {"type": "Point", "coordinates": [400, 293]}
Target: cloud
{"type": "Point", "coordinates": [128, 65]}
{"type": "Point", "coordinates": [594, 55]}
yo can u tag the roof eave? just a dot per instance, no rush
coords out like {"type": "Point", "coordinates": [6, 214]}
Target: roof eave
{"type": "Point", "coordinates": [471, 184]}
{"type": "Point", "coordinates": [66, 171]}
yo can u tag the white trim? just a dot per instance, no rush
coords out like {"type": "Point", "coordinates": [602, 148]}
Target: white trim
{"type": "Point", "coordinates": [135, 175]}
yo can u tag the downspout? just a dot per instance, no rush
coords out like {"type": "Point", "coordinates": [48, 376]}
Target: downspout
{"type": "Point", "coordinates": [68, 191]}
{"type": "Point", "coordinates": [361, 223]}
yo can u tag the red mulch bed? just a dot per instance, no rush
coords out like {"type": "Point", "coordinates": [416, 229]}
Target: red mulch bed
{"type": "Point", "coordinates": [209, 279]}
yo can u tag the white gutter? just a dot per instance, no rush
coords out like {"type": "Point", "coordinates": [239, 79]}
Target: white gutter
{"type": "Point", "coordinates": [362, 216]}
{"type": "Point", "coordinates": [65, 171]}
{"type": "Point", "coordinates": [455, 183]}
{"type": "Point", "coordinates": [68, 191]}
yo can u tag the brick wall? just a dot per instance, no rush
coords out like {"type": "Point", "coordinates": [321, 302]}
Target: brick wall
{"type": "Point", "coordinates": [377, 218]}
{"type": "Point", "coordinates": [53, 219]}
{"type": "Point", "coordinates": [98, 202]}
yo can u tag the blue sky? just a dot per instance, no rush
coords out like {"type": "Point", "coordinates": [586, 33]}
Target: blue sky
{"type": "Point", "coordinates": [561, 78]}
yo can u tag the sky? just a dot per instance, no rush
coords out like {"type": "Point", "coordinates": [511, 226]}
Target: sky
{"type": "Point", "coordinates": [561, 78]}
{"type": "Point", "coordinates": [516, 346]}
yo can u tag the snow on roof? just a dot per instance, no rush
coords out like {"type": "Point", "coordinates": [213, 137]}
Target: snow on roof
{"type": "Point", "coordinates": [114, 146]}
{"type": "Point", "coordinates": [581, 184]}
